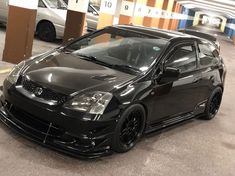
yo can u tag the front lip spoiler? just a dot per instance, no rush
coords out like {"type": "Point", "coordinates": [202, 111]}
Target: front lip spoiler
{"type": "Point", "coordinates": [11, 122]}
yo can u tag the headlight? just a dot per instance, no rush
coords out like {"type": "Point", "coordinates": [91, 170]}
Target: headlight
{"type": "Point", "coordinates": [15, 72]}
{"type": "Point", "coordinates": [93, 103]}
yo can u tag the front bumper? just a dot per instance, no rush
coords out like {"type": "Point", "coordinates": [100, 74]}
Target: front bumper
{"type": "Point", "coordinates": [67, 134]}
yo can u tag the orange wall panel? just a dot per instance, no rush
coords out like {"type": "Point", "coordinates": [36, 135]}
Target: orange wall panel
{"type": "Point", "coordinates": [164, 7]}
{"type": "Point", "coordinates": [169, 9]}
{"type": "Point", "coordinates": [154, 22]}
{"type": "Point", "coordinates": [138, 20]}
{"type": "Point", "coordinates": [104, 20]}
{"type": "Point", "coordinates": [123, 19]}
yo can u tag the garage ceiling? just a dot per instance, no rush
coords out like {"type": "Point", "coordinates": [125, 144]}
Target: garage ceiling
{"type": "Point", "coordinates": [224, 8]}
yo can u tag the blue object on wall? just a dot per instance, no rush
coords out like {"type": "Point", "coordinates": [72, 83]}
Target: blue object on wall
{"type": "Point", "coordinates": [229, 31]}
{"type": "Point", "coordinates": [184, 23]}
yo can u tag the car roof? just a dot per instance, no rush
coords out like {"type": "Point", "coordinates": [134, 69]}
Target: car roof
{"type": "Point", "coordinates": [199, 34]}
{"type": "Point", "coordinates": [161, 33]}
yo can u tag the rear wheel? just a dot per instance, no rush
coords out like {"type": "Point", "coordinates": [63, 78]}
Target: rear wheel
{"type": "Point", "coordinates": [46, 31]}
{"type": "Point", "coordinates": [129, 129]}
{"type": "Point", "coordinates": [213, 104]}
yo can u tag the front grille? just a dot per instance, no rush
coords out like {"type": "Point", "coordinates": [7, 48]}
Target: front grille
{"type": "Point", "coordinates": [35, 123]}
{"type": "Point", "coordinates": [46, 94]}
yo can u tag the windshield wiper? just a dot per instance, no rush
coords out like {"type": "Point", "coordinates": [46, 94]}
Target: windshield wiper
{"type": "Point", "coordinates": [93, 59]}
{"type": "Point", "coordinates": [127, 67]}
{"type": "Point", "coordinates": [87, 57]}
{"type": "Point", "coordinates": [121, 67]}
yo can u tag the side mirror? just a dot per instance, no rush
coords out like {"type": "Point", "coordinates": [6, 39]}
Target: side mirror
{"type": "Point", "coordinates": [169, 74]}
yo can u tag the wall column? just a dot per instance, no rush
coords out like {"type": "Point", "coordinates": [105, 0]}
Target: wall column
{"type": "Point", "coordinates": [190, 19]}
{"type": "Point", "coordinates": [174, 22]}
{"type": "Point", "coordinates": [172, 17]}
{"type": "Point", "coordinates": [169, 10]}
{"type": "Point", "coordinates": [76, 19]}
{"type": "Point", "coordinates": [148, 20]}
{"type": "Point", "coordinates": [127, 11]}
{"type": "Point", "coordinates": [20, 30]}
{"type": "Point", "coordinates": [155, 21]}
{"type": "Point", "coordinates": [139, 12]}
{"type": "Point", "coordinates": [176, 19]}
{"type": "Point", "coordinates": [162, 19]}
{"type": "Point", "coordinates": [183, 22]}
{"type": "Point", "coordinates": [231, 28]}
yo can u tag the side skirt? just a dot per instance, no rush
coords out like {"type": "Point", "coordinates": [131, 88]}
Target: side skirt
{"type": "Point", "coordinates": [199, 109]}
{"type": "Point", "coordinates": [169, 122]}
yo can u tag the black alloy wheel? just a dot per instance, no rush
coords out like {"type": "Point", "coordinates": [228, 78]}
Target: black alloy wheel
{"type": "Point", "coordinates": [129, 128]}
{"type": "Point", "coordinates": [213, 104]}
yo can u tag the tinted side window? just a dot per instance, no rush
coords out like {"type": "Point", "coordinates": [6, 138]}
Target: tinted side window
{"type": "Point", "coordinates": [206, 56]}
{"type": "Point", "coordinates": [183, 58]}
{"type": "Point", "coordinates": [41, 4]}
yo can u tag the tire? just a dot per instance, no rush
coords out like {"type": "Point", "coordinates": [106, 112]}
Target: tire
{"type": "Point", "coordinates": [129, 128]}
{"type": "Point", "coordinates": [213, 104]}
{"type": "Point", "coordinates": [46, 31]}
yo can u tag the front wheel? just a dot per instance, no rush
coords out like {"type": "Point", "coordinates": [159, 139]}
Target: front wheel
{"type": "Point", "coordinates": [46, 31]}
{"type": "Point", "coordinates": [129, 129]}
{"type": "Point", "coordinates": [213, 104]}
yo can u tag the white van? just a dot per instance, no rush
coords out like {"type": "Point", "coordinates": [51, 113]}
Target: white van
{"type": "Point", "coordinates": [51, 16]}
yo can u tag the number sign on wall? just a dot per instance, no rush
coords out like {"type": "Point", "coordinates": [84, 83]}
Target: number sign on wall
{"type": "Point", "coordinates": [78, 5]}
{"type": "Point", "coordinates": [28, 4]}
{"type": "Point", "coordinates": [108, 6]}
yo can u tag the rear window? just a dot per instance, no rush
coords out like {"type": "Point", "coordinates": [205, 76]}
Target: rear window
{"type": "Point", "coordinates": [206, 56]}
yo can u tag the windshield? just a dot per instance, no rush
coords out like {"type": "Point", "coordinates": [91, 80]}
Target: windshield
{"type": "Point", "coordinates": [56, 4]}
{"type": "Point", "coordinates": [119, 49]}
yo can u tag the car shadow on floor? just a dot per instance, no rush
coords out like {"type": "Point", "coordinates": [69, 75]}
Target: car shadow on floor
{"type": "Point", "coordinates": [146, 143]}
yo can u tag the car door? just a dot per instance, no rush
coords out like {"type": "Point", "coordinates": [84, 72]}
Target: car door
{"type": "Point", "coordinates": [42, 12]}
{"type": "Point", "coordinates": [3, 10]}
{"type": "Point", "coordinates": [210, 67]}
{"type": "Point", "coordinates": [92, 18]}
{"type": "Point", "coordinates": [179, 97]}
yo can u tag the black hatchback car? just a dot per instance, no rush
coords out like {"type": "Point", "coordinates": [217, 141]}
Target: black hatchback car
{"type": "Point", "coordinates": [102, 92]}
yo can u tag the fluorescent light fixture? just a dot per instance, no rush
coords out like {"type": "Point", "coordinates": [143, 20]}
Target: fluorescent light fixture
{"type": "Point", "coordinates": [208, 7]}
{"type": "Point", "coordinates": [216, 4]}
{"type": "Point", "coordinates": [230, 2]}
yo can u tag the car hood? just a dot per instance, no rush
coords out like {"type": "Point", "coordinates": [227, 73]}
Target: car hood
{"type": "Point", "coordinates": [68, 74]}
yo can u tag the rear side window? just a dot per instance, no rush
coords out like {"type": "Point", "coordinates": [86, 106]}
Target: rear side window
{"type": "Point", "coordinates": [183, 58]}
{"type": "Point", "coordinates": [41, 4]}
{"type": "Point", "coordinates": [206, 56]}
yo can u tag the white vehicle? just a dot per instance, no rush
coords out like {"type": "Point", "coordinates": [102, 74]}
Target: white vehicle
{"type": "Point", "coordinates": [51, 16]}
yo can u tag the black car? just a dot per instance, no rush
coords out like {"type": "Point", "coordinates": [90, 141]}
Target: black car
{"type": "Point", "coordinates": [203, 35]}
{"type": "Point", "coordinates": [102, 92]}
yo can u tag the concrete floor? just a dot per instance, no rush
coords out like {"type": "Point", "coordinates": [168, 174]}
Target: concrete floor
{"type": "Point", "coordinates": [197, 148]}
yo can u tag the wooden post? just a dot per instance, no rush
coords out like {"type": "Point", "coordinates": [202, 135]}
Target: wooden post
{"type": "Point", "coordinates": [20, 30]}
{"type": "Point", "coordinates": [76, 19]}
